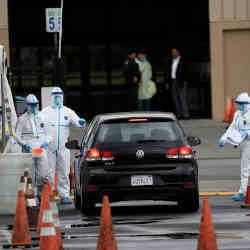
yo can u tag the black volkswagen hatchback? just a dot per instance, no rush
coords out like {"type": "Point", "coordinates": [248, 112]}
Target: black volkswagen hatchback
{"type": "Point", "coordinates": [135, 156]}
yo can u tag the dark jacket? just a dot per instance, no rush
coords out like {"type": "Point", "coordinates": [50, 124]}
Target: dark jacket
{"type": "Point", "coordinates": [180, 73]}
{"type": "Point", "coordinates": [130, 70]}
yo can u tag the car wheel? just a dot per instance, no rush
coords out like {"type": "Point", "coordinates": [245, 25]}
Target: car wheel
{"type": "Point", "coordinates": [77, 199]}
{"type": "Point", "coordinates": [190, 202]}
{"type": "Point", "coordinates": [87, 206]}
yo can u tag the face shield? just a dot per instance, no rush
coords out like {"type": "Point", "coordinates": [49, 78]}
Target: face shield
{"type": "Point", "coordinates": [240, 106]}
{"type": "Point", "coordinates": [32, 108]}
{"type": "Point", "coordinates": [58, 100]}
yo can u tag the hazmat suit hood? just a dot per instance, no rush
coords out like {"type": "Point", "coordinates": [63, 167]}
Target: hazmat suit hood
{"type": "Point", "coordinates": [57, 97]}
{"type": "Point", "coordinates": [243, 100]}
{"type": "Point", "coordinates": [32, 104]}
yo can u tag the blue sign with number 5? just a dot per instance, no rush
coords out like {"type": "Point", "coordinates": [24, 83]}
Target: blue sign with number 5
{"type": "Point", "coordinates": [52, 23]}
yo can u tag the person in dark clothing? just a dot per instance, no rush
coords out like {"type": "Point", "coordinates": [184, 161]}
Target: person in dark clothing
{"type": "Point", "coordinates": [132, 77]}
{"type": "Point", "coordinates": [175, 83]}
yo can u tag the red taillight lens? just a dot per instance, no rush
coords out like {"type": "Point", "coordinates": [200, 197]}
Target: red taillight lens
{"type": "Point", "coordinates": [94, 153]}
{"type": "Point", "coordinates": [173, 153]}
{"type": "Point", "coordinates": [184, 152]}
{"type": "Point", "coordinates": [107, 154]}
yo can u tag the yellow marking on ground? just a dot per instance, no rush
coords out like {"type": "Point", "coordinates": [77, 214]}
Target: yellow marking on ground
{"type": "Point", "coordinates": [216, 193]}
{"type": "Point", "coordinates": [71, 197]}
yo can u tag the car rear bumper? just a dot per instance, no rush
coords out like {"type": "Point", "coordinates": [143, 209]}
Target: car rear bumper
{"type": "Point", "coordinates": [170, 193]}
{"type": "Point", "coordinates": [168, 184]}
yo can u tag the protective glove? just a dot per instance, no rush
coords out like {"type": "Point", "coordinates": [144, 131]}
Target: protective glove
{"type": "Point", "coordinates": [244, 135]}
{"type": "Point", "coordinates": [82, 121]}
{"type": "Point", "coordinates": [44, 145]}
{"type": "Point", "coordinates": [220, 143]}
{"type": "Point", "coordinates": [27, 147]}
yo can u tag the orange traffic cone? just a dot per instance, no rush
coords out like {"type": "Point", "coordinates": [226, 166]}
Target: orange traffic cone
{"type": "Point", "coordinates": [207, 238]}
{"type": "Point", "coordinates": [55, 213]}
{"type": "Point", "coordinates": [227, 117]}
{"type": "Point", "coordinates": [48, 238]}
{"type": "Point", "coordinates": [44, 205]}
{"type": "Point", "coordinates": [72, 179]}
{"type": "Point", "coordinates": [233, 110]}
{"type": "Point", "coordinates": [247, 200]}
{"type": "Point", "coordinates": [21, 234]}
{"type": "Point", "coordinates": [106, 240]}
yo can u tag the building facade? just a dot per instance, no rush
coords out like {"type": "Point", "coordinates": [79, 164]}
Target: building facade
{"type": "Point", "coordinates": [230, 51]}
{"type": "Point", "coordinates": [224, 33]}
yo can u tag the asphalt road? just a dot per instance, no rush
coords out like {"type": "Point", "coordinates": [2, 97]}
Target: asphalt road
{"type": "Point", "coordinates": [158, 225]}
{"type": "Point", "coordinates": [151, 225]}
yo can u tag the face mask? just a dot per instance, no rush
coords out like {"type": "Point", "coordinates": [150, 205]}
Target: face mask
{"type": "Point", "coordinates": [33, 110]}
{"type": "Point", "coordinates": [240, 107]}
{"type": "Point", "coordinates": [144, 60]}
{"type": "Point", "coordinates": [57, 101]}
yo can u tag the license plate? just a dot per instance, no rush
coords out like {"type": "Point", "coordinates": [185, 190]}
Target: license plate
{"type": "Point", "coordinates": [141, 180]}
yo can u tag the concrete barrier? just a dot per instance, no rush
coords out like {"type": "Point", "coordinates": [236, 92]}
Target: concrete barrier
{"type": "Point", "coordinates": [12, 166]}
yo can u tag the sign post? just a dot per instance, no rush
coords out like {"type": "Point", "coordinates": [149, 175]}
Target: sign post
{"type": "Point", "coordinates": [54, 25]}
{"type": "Point", "coordinates": [54, 22]}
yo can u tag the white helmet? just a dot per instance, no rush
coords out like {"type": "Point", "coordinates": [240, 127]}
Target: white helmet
{"type": "Point", "coordinates": [56, 91]}
{"type": "Point", "coordinates": [31, 99]}
{"type": "Point", "coordinates": [243, 98]}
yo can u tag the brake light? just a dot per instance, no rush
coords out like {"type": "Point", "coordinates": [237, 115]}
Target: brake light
{"type": "Point", "coordinates": [138, 120]}
{"type": "Point", "coordinates": [95, 154]}
{"type": "Point", "coordinates": [184, 152]}
{"type": "Point", "coordinates": [173, 153]}
{"type": "Point", "coordinates": [107, 155]}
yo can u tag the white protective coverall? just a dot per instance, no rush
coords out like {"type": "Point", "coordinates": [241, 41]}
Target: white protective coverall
{"type": "Point", "coordinates": [30, 130]}
{"type": "Point", "coordinates": [241, 123]}
{"type": "Point", "coordinates": [58, 119]}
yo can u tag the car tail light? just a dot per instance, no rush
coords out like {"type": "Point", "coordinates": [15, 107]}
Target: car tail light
{"type": "Point", "coordinates": [95, 154]}
{"type": "Point", "coordinates": [184, 152]}
{"type": "Point", "coordinates": [107, 155]}
{"type": "Point", "coordinates": [173, 153]}
{"type": "Point", "coordinates": [190, 185]}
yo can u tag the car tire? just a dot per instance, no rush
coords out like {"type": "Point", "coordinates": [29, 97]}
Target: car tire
{"type": "Point", "coordinates": [77, 199]}
{"type": "Point", "coordinates": [87, 206]}
{"type": "Point", "coordinates": [191, 202]}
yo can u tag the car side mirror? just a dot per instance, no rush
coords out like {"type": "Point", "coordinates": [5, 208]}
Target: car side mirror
{"type": "Point", "coordinates": [193, 140]}
{"type": "Point", "coordinates": [72, 144]}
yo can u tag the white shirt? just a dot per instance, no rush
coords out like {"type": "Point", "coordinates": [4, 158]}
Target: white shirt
{"type": "Point", "coordinates": [174, 67]}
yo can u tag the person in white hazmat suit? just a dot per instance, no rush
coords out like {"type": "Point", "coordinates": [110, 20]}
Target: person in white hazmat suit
{"type": "Point", "coordinates": [58, 119]}
{"type": "Point", "coordinates": [240, 130]}
{"type": "Point", "coordinates": [31, 134]}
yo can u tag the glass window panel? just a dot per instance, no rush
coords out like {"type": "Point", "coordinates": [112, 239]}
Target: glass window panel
{"type": "Point", "coordinates": [98, 67]}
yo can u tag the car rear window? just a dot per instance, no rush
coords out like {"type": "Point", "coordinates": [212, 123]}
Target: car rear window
{"type": "Point", "coordinates": [126, 132]}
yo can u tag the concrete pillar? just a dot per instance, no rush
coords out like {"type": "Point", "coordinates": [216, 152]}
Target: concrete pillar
{"type": "Point", "coordinates": [229, 51]}
{"type": "Point", "coordinates": [4, 27]}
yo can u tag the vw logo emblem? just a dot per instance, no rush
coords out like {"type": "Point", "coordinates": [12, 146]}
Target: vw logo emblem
{"type": "Point", "coordinates": [139, 153]}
